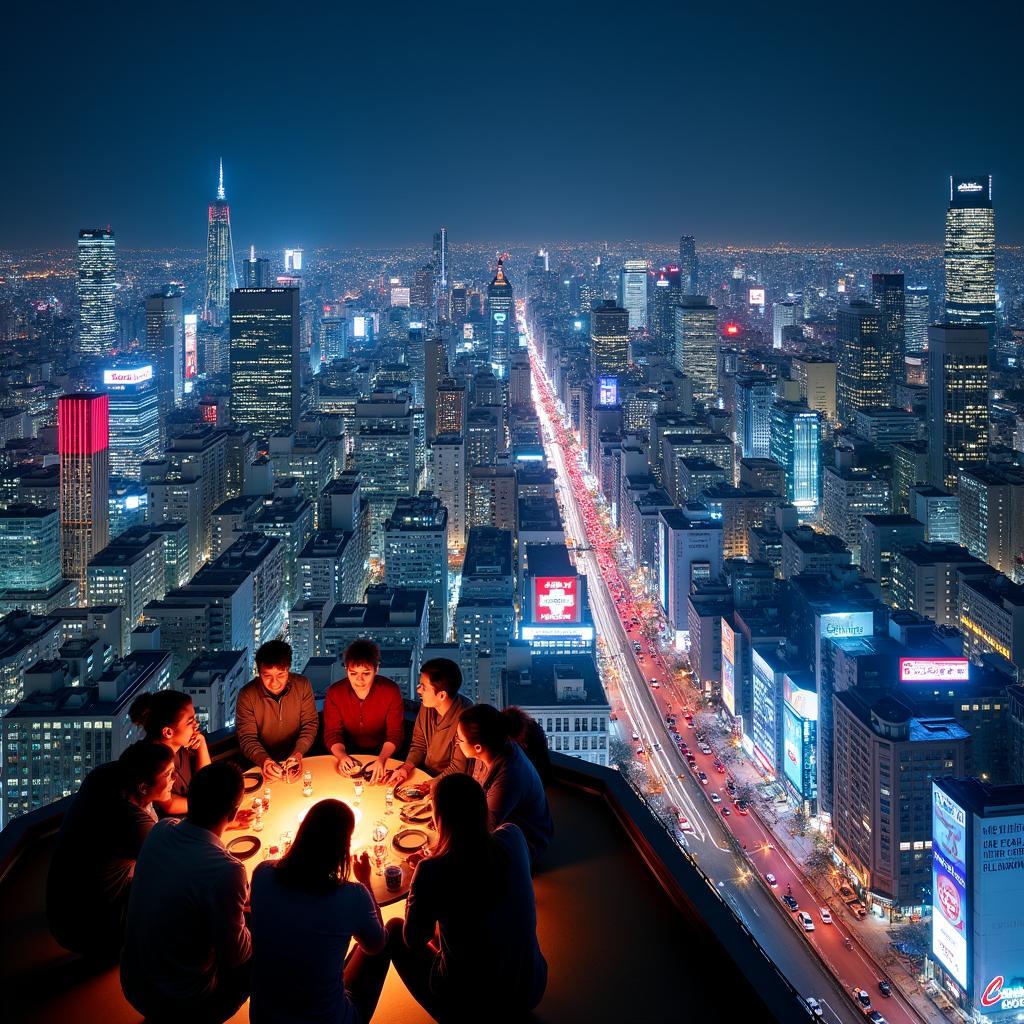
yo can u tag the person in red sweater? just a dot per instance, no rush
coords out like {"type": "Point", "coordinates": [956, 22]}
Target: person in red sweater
{"type": "Point", "coordinates": [363, 712]}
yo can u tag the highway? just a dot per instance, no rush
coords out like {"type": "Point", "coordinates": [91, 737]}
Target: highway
{"type": "Point", "coordinates": [641, 711]}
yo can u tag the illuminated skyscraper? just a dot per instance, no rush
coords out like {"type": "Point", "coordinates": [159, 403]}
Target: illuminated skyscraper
{"type": "Point", "coordinates": [83, 423]}
{"type": "Point", "coordinates": [918, 316]}
{"type": "Point", "coordinates": [221, 278]}
{"type": "Point", "coordinates": [784, 314]}
{"type": "Point", "coordinates": [755, 395]}
{"type": "Point", "coordinates": [687, 265]}
{"type": "Point", "coordinates": [795, 445]}
{"type": "Point", "coordinates": [96, 263]}
{"type": "Point", "coordinates": [633, 292]}
{"type": "Point", "coordinates": [134, 418]}
{"type": "Point", "coordinates": [958, 401]}
{"type": "Point", "coordinates": [441, 271]}
{"type": "Point", "coordinates": [697, 345]}
{"type": "Point", "coordinates": [971, 253]}
{"type": "Point", "coordinates": [864, 373]}
{"type": "Point", "coordinates": [265, 359]}
{"type": "Point", "coordinates": [165, 340]}
{"type": "Point", "coordinates": [609, 340]}
{"type": "Point", "coordinates": [256, 270]}
{"type": "Point", "coordinates": [501, 320]}
{"type": "Point", "coordinates": [887, 296]}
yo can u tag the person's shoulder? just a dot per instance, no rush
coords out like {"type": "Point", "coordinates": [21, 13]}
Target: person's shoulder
{"type": "Point", "coordinates": [249, 690]}
{"type": "Point", "coordinates": [301, 682]}
{"type": "Point", "coordinates": [462, 703]}
{"type": "Point", "coordinates": [512, 839]}
{"type": "Point", "coordinates": [263, 875]}
{"type": "Point", "coordinates": [338, 687]}
{"type": "Point", "coordinates": [388, 685]}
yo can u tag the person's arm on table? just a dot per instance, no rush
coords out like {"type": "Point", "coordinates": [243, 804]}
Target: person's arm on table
{"type": "Point", "coordinates": [369, 933]}
{"type": "Point", "coordinates": [308, 722]}
{"type": "Point", "coordinates": [394, 717]}
{"type": "Point", "coordinates": [249, 737]}
{"type": "Point", "coordinates": [334, 734]}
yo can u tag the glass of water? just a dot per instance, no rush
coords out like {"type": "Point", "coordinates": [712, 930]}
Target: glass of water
{"type": "Point", "coordinates": [307, 783]}
{"type": "Point", "coordinates": [359, 790]}
{"type": "Point", "coordinates": [389, 800]}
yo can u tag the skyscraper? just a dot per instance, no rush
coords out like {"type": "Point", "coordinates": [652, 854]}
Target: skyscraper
{"type": "Point", "coordinates": [221, 278]}
{"type": "Point", "coordinates": [755, 395]}
{"type": "Point", "coordinates": [96, 263]}
{"type": "Point", "coordinates": [83, 424]}
{"type": "Point", "coordinates": [609, 340]}
{"type": "Point", "coordinates": [697, 345]}
{"type": "Point", "coordinates": [958, 400]}
{"type": "Point", "coordinates": [265, 394]}
{"type": "Point", "coordinates": [784, 314]}
{"type": "Point", "coordinates": [633, 292]}
{"type": "Point", "coordinates": [165, 340]}
{"type": "Point", "coordinates": [134, 418]}
{"type": "Point", "coordinates": [796, 446]}
{"type": "Point", "coordinates": [864, 373]}
{"type": "Point", "coordinates": [970, 252]}
{"type": "Point", "coordinates": [917, 302]}
{"type": "Point", "coordinates": [256, 271]}
{"type": "Point", "coordinates": [687, 265]}
{"type": "Point", "coordinates": [440, 269]}
{"type": "Point", "coordinates": [887, 296]}
{"type": "Point", "coordinates": [501, 320]}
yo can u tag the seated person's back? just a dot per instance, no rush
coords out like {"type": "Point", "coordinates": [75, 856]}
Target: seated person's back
{"type": "Point", "coordinates": [90, 875]}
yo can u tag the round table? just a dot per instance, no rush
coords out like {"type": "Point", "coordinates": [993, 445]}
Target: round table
{"type": "Point", "coordinates": [288, 807]}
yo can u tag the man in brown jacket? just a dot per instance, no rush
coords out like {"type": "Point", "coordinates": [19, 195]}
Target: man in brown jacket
{"type": "Point", "coordinates": [275, 718]}
{"type": "Point", "coordinates": [434, 746]}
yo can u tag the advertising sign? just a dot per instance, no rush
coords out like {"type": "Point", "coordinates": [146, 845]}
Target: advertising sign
{"type": "Point", "coordinates": [756, 296]}
{"type": "Point", "coordinates": [138, 375]}
{"type": "Point", "coordinates": [949, 885]}
{"type": "Point", "coordinates": [793, 748]}
{"type": "Point", "coordinates": [607, 390]}
{"type": "Point", "coordinates": [556, 599]}
{"type": "Point", "coordinates": [728, 667]}
{"type": "Point", "coordinates": [840, 624]}
{"type": "Point", "coordinates": [401, 297]}
{"type": "Point", "coordinates": [997, 878]}
{"type": "Point", "coordinates": [359, 327]}
{"type": "Point", "coordinates": [581, 634]}
{"type": "Point", "coordinates": [934, 670]}
{"type": "Point", "coordinates": [191, 346]}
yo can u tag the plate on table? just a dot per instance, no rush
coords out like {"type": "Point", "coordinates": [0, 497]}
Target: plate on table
{"type": "Point", "coordinates": [243, 847]}
{"type": "Point", "coordinates": [253, 779]}
{"type": "Point", "coordinates": [358, 770]}
{"type": "Point", "coordinates": [410, 840]}
{"type": "Point", "coordinates": [408, 794]}
{"type": "Point", "coordinates": [417, 814]}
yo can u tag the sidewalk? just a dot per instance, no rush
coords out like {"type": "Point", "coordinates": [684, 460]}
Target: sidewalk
{"type": "Point", "coordinates": [872, 934]}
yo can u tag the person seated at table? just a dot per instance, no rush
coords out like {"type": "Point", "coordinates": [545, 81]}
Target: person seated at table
{"type": "Point", "coordinates": [187, 945]}
{"type": "Point", "coordinates": [363, 713]}
{"type": "Point", "coordinates": [510, 783]}
{"type": "Point", "coordinates": [275, 717]}
{"type": "Point", "coordinates": [525, 730]}
{"type": "Point", "coordinates": [434, 746]}
{"type": "Point", "coordinates": [476, 895]}
{"type": "Point", "coordinates": [169, 717]}
{"type": "Point", "coordinates": [90, 876]}
{"type": "Point", "coordinates": [305, 911]}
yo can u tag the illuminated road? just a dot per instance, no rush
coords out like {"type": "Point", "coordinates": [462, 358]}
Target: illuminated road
{"type": "Point", "coordinates": [641, 712]}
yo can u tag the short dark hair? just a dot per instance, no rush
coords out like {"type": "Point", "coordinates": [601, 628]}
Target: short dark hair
{"type": "Point", "coordinates": [362, 652]}
{"type": "Point", "coordinates": [141, 763]}
{"type": "Point", "coordinates": [214, 794]}
{"type": "Point", "coordinates": [444, 674]}
{"type": "Point", "coordinates": [274, 654]}
{"type": "Point", "coordinates": [154, 712]}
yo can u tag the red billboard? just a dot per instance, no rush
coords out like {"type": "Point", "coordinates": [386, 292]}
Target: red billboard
{"type": "Point", "coordinates": [556, 599]}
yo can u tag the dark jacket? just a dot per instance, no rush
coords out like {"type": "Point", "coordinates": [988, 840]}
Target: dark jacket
{"type": "Point", "coordinates": [275, 727]}
{"type": "Point", "coordinates": [434, 746]}
{"type": "Point", "coordinates": [515, 794]}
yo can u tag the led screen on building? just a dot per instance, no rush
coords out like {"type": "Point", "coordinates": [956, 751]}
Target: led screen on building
{"type": "Point", "coordinates": [556, 599]}
{"type": "Point", "coordinates": [191, 346]}
{"type": "Point", "coordinates": [934, 670]}
{"type": "Point", "coordinates": [756, 296]}
{"type": "Point", "coordinates": [728, 668]}
{"type": "Point", "coordinates": [137, 375]}
{"type": "Point", "coordinates": [949, 885]}
{"type": "Point", "coordinates": [997, 889]}
{"type": "Point", "coordinates": [793, 748]}
{"type": "Point", "coordinates": [607, 390]}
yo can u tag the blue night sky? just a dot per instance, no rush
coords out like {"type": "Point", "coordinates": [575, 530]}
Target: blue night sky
{"type": "Point", "coordinates": [371, 124]}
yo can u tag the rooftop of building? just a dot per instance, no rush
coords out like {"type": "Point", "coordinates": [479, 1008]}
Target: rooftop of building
{"type": "Point", "coordinates": [548, 560]}
{"type": "Point", "coordinates": [539, 513]}
{"type": "Point", "coordinates": [994, 475]}
{"type": "Point", "coordinates": [418, 513]}
{"type": "Point", "coordinates": [811, 542]}
{"type": "Point", "coordinates": [20, 628]}
{"type": "Point", "coordinates": [931, 491]}
{"type": "Point", "coordinates": [889, 519]}
{"type": "Point", "coordinates": [997, 588]}
{"type": "Point", "coordinates": [239, 505]}
{"type": "Point", "coordinates": [246, 552]}
{"type": "Point", "coordinates": [886, 411]}
{"type": "Point", "coordinates": [726, 491]}
{"type": "Point", "coordinates": [538, 686]}
{"type": "Point", "coordinates": [211, 663]}
{"type": "Point", "coordinates": [699, 464]}
{"type": "Point", "coordinates": [23, 510]}
{"type": "Point", "coordinates": [937, 552]}
{"type": "Point", "coordinates": [283, 510]}
{"type": "Point", "coordinates": [983, 798]}
{"type": "Point", "coordinates": [690, 518]}
{"type": "Point", "coordinates": [876, 709]}
{"type": "Point", "coordinates": [385, 608]}
{"type": "Point", "coordinates": [488, 552]}
{"type": "Point", "coordinates": [611, 876]}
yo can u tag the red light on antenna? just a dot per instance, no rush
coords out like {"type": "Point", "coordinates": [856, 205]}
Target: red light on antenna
{"type": "Point", "coordinates": [732, 329]}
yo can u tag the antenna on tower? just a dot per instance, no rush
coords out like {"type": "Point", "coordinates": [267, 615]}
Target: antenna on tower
{"type": "Point", "coordinates": [220, 181]}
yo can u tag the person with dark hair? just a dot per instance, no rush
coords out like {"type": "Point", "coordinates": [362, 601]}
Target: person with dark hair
{"type": "Point", "coordinates": [169, 717]}
{"type": "Point", "coordinates": [275, 716]}
{"type": "Point", "coordinates": [187, 945]}
{"type": "Point", "coordinates": [363, 713]}
{"type": "Point", "coordinates": [525, 730]}
{"type": "Point", "coordinates": [90, 876]}
{"type": "Point", "coordinates": [475, 893]}
{"type": "Point", "coordinates": [305, 911]}
{"type": "Point", "coordinates": [510, 782]}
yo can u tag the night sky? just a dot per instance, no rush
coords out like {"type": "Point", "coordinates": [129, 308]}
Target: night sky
{"type": "Point", "coordinates": [506, 121]}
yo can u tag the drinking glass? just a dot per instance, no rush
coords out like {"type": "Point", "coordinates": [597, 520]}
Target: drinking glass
{"type": "Point", "coordinates": [257, 814]}
{"type": "Point", "coordinates": [307, 783]}
{"type": "Point", "coordinates": [359, 790]}
{"type": "Point", "coordinates": [266, 798]}
{"type": "Point", "coordinates": [389, 800]}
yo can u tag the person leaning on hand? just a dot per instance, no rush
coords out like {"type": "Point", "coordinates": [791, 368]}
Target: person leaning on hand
{"type": "Point", "coordinates": [275, 717]}
{"type": "Point", "coordinates": [363, 713]}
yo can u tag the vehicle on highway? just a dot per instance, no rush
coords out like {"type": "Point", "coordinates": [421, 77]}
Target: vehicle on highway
{"type": "Point", "coordinates": [731, 786]}
{"type": "Point", "coordinates": [655, 685]}
{"type": "Point", "coordinates": [791, 902]}
{"type": "Point", "coordinates": [657, 746]}
{"type": "Point", "coordinates": [806, 921]}
{"type": "Point", "coordinates": [885, 988]}
{"type": "Point", "coordinates": [636, 736]}
{"type": "Point", "coordinates": [683, 748]}
{"type": "Point", "coordinates": [814, 1006]}
{"type": "Point", "coordinates": [715, 798]}
{"type": "Point", "coordinates": [691, 761]}
{"type": "Point", "coordinates": [859, 909]}
{"type": "Point", "coordinates": [705, 749]}
{"type": "Point", "coordinates": [726, 811]}
{"type": "Point", "coordinates": [640, 752]}
{"type": "Point", "coordinates": [684, 823]}
{"type": "Point", "coordinates": [771, 880]}
{"type": "Point", "coordinates": [719, 767]}
{"type": "Point", "coordinates": [741, 807]}
{"type": "Point", "coordinates": [876, 1018]}
{"type": "Point", "coordinates": [862, 999]}
{"type": "Point", "coordinates": [703, 778]}
{"type": "Point", "coordinates": [826, 915]}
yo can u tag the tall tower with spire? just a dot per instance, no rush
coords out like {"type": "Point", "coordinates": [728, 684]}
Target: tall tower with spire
{"type": "Point", "coordinates": [501, 320]}
{"type": "Point", "coordinates": [221, 278]}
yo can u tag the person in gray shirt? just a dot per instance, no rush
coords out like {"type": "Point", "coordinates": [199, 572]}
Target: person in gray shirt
{"type": "Point", "coordinates": [275, 717]}
{"type": "Point", "coordinates": [434, 746]}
